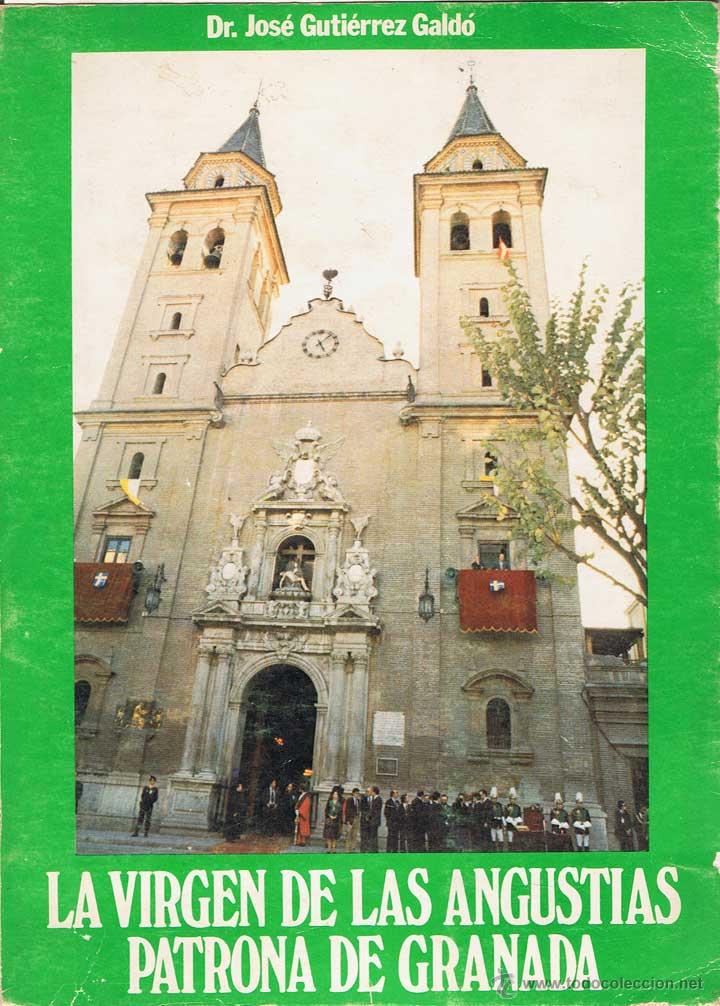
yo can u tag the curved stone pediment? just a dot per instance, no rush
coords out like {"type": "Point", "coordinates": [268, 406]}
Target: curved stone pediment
{"type": "Point", "coordinates": [327, 349]}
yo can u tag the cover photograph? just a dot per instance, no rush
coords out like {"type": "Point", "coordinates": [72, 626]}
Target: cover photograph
{"type": "Point", "coordinates": [359, 561]}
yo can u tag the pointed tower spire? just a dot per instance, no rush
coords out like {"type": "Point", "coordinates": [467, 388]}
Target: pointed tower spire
{"type": "Point", "coordinates": [473, 119]}
{"type": "Point", "coordinates": [247, 139]}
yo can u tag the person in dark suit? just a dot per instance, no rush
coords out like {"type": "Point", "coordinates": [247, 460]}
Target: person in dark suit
{"type": "Point", "coordinates": [287, 809]}
{"type": "Point", "coordinates": [417, 823]}
{"type": "Point", "coordinates": [624, 827]}
{"type": "Point", "coordinates": [237, 813]}
{"type": "Point", "coordinates": [271, 808]}
{"type": "Point", "coordinates": [434, 824]}
{"type": "Point", "coordinates": [148, 799]}
{"type": "Point", "coordinates": [351, 820]}
{"type": "Point", "coordinates": [642, 829]}
{"type": "Point", "coordinates": [392, 820]}
{"type": "Point", "coordinates": [404, 823]}
{"type": "Point", "coordinates": [370, 816]}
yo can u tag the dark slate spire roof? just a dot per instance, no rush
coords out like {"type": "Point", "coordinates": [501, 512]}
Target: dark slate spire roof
{"type": "Point", "coordinates": [473, 119]}
{"type": "Point", "coordinates": [247, 139]}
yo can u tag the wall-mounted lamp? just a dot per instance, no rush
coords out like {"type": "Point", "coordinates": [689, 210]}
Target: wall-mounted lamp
{"type": "Point", "coordinates": [152, 594]}
{"type": "Point", "coordinates": [426, 601]}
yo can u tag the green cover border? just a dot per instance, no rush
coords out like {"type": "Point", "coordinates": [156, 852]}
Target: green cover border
{"type": "Point", "coordinates": [42, 966]}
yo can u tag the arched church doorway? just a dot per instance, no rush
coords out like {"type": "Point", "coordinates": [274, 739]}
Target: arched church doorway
{"type": "Point", "coordinates": [279, 733]}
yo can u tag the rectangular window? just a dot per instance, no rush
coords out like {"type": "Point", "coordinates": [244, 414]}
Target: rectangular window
{"type": "Point", "coordinates": [387, 766]}
{"type": "Point", "coordinates": [493, 555]}
{"type": "Point", "coordinates": [117, 549]}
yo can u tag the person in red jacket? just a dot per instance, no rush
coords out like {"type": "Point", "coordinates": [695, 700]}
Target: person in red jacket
{"type": "Point", "coordinates": [303, 808]}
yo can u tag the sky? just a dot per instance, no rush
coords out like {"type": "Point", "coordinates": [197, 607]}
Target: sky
{"type": "Point", "coordinates": [344, 132]}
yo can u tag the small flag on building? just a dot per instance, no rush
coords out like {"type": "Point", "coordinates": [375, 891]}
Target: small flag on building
{"type": "Point", "coordinates": [503, 251]}
{"type": "Point", "coordinates": [131, 488]}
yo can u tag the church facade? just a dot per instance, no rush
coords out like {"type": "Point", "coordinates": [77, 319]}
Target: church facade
{"type": "Point", "coordinates": [271, 529]}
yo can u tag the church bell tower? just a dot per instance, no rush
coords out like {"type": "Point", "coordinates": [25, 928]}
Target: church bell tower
{"type": "Point", "coordinates": [201, 298]}
{"type": "Point", "coordinates": [474, 194]}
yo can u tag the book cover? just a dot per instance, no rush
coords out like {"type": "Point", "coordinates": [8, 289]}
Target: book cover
{"type": "Point", "coordinates": [359, 555]}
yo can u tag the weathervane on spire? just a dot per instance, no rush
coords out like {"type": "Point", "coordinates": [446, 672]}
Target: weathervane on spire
{"type": "Point", "coordinates": [470, 67]}
{"type": "Point", "coordinates": [328, 275]}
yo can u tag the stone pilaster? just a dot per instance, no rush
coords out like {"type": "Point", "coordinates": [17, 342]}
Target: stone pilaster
{"type": "Point", "coordinates": [336, 719]}
{"type": "Point", "coordinates": [194, 727]}
{"type": "Point", "coordinates": [216, 712]}
{"type": "Point", "coordinates": [357, 719]}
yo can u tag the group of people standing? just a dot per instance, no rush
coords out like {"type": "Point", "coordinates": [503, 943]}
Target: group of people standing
{"type": "Point", "coordinates": [429, 822]}
{"type": "Point", "coordinates": [473, 822]}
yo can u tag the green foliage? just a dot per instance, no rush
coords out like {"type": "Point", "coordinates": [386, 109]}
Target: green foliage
{"type": "Point", "coordinates": [581, 384]}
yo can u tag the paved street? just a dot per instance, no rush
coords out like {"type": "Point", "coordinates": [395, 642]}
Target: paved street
{"type": "Point", "coordinates": [104, 843]}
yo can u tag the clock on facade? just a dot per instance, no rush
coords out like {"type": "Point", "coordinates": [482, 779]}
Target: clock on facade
{"type": "Point", "coordinates": [320, 343]}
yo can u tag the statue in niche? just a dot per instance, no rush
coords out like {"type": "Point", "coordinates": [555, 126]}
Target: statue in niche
{"type": "Point", "coordinates": [292, 577]}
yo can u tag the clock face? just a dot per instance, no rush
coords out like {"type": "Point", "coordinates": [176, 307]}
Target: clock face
{"type": "Point", "coordinates": [320, 343]}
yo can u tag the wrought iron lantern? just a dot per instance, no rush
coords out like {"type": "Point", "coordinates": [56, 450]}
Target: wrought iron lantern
{"type": "Point", "coordinates": [152, 594]}
{"type": "Point", "coordinates": [426, 601]}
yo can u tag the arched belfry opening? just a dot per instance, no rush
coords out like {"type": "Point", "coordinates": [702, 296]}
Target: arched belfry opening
{"type": "Point", "coordinates": [279, 733]}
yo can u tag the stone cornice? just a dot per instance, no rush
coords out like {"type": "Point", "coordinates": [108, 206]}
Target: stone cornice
{"type": "Point", "coordinates": [105, 417]}
{"type": "Point", "coordinates": [439, 408]}
{"type": "Point", "coordinates": [316, 396]}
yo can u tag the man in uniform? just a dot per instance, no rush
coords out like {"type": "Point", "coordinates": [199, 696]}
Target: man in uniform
{"type": "Point", "coordinates": [496, 821]}
{"type": "Point", "coordinates": [513, 815]}
{"type": "Point", "coordinates": [559, 824]}
{"type": "Point", "coordinates": [580, 820]}
{"type": "Point", "coordinates": [148, 799]}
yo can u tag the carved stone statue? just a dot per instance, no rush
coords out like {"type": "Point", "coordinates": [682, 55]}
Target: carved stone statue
{"type": "Point", "coordinates": [303, 477]}
{"type": "Point", "coordinates": [275, 488]}
{"type": "Point", "coordinates": [228, 576]}
{"type": "Point", "coordinates": [355, 583]}
{"type": "Point", "coordinates": [292, 577]}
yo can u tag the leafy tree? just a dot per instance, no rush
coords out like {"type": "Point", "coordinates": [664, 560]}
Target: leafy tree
{"type": "Point", "coordinates": [582, 381]}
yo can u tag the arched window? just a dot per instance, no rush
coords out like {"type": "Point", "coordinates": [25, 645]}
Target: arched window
{"type": "Point", "coordinates": [214, 245]}
{"type": "Point", "coordinates": [484, 307]}
{"type": "Point", "coordinates": [219, 181]}
{"type": "Point", "coordinates": [459, 232]}
{"type": "Point", "coordinates": [501, 229]}
{"type": "Point", "coordinates": [294, 567]}
{"type": "Point", "coordinates": [497, 723]}
{"type": "Point", "coordinates": [477, 166]}
{"type": "Point", "coordinates": [159, 384]}
{"type": "Point", "coordinates": [487, 381]}
{"type": "Point", "coordinates": [136, 465]}
{"type": "Point", "coordinates": [176, 321]}
{"type": "Point", "coordinates": [176, 247]}
{"type": "Point", "coordinates": [82, 698]}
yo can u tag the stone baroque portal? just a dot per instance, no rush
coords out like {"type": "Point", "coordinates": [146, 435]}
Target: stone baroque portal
{"type": "Point", "coordinates": [297, 601]}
